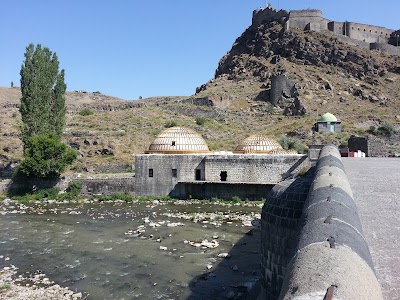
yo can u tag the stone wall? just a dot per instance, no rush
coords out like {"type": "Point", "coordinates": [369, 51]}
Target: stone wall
{"type": "Point", "coordinates": [369, 36]}
{"type": "Point", "coordinates": [254, 168]}
{"type": "Point", "coordinates": [279, 231]}
{"type": "Point", "coordinates": [284, 94]}
{"type": "Point", "coordinates": [329, 254]}
{"type": "Point", "coordinates": [108, 186]}
{"type": "Point", "coordinates": [169, 170]}
{"type": "Point", "coordinates": [350, 41]}
{"type": "Point", "coordinates": [367, 33]}
{"type": "Point", "coordinates": [372, 146]}
{"type": "Point", "coordinates": [386, 48]}
{"type": "Point", "coordinates": [308, 19]}
{"type": "Point", "coordinates": [269, 14]}
{"type": "Point", "coordinates": [222, 190]}
{"type": "Point", "coordinates": [162, 182]}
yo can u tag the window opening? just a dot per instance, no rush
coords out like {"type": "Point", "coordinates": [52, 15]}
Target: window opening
{"type": "Point", "coordinates": [223, 175]}
{"type": "Point", "coordinates": [173, 143]}
{"type": "Point", "coordinates": [151, 173]}
{"type": "Point", "coordinates": [174, 173]}
{"type": "Point", "coordinates": [198, 174]}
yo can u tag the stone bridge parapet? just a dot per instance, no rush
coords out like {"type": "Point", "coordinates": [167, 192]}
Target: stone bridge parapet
{"type": "Point", "coordinates": [323, 253]}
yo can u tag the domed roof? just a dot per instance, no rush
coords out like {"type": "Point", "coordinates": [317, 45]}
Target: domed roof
{"type": "Point", "coordinates": [257, 144]}
{"type": "Point", "coordinates": [328, 117]}
{"type": "Point", "coordinates": [178, 140]}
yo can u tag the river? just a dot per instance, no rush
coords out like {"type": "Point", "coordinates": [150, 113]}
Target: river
{"type": "Point", "coordinates": [139, 250]}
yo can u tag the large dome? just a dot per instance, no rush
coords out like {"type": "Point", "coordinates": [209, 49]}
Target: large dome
{"type": "Point", "coordinates": [258, 144]}
{"type": "Point", "coordinates": [178, 140]}
{"type": "Point", "coordinates": [328, 117]}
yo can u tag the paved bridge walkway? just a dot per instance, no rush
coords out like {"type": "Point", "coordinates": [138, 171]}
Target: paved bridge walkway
{"type": "Point", "coordinates": [376, 187]}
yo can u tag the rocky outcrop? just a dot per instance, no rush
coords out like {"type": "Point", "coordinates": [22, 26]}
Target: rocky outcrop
{"type": "Point", "coordinates": [266, 41]}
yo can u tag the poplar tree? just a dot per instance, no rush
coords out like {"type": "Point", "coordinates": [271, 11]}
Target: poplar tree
{"type": "Point", "coordinates": [43, 114]}
{"type": "Point", "coordinates": [42, 86]}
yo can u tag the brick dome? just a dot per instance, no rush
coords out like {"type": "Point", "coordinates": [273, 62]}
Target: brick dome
{"type": "Point", "coordinates": [258, 144]}
{"type": "Point", "coordinates": [178, 140]}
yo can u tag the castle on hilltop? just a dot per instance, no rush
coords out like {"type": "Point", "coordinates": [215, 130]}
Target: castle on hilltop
{"type": "Point", "coordinates": [362, 35]}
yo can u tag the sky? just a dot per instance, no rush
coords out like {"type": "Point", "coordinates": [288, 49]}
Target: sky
{"type": "Point", "coordinates": [131, 48]}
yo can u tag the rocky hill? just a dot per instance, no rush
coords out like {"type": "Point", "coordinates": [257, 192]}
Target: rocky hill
{"type": "Point", "coordinates": [272, 82]}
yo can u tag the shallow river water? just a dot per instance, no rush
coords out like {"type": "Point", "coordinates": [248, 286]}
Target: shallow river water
{"type": "Point", "coordinates": [151, 250]}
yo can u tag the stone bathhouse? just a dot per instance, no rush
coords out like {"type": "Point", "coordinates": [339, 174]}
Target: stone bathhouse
{"type": "Point", "coordinates": [362, 35]}
{"type": "Point", "coordinates": [179, 164]}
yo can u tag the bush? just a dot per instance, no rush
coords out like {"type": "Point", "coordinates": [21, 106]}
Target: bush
{"type": "Point", "coordinates": [292, 143]}
{"type": "Point", "coordinates": [387, 128]}
{"type": "Point", "coordinates": [86, 112]}
{"type": "Point", "coordinates": [52, 193]}
{"type": "Point", "coordinates": [74, 188]}
{"type": "Point", "coordinates": [371, 129]}
{"type": "Point", "coordinates": [46, 156]}
{"type": "Point", "coordinates": [200, 121]}
{"type": "Point", "coordinates": [170, 124]}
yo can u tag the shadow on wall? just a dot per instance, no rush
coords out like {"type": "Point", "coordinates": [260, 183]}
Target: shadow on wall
{"type": "Point", "coordinates": [20, 185]}
{"type": "Point", "coordinates": [235, 276]}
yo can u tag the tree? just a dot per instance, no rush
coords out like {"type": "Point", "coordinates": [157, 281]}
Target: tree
{"type": "Point", "coordinates": [43, 114]}
{"type": "Point", "coordinates": [12, 84]}
{"type": "Point", "coordinates": [42, 86]}
{"type": "Point", "coordinates": [46, 156]}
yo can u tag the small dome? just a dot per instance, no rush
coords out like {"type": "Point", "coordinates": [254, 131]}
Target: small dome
{"type": "Point", "coordinates": [258, 144]}
{"type": "Point", "coordinates": [178, 140]}
{"type": "Point", "coordinates": [328, 117]}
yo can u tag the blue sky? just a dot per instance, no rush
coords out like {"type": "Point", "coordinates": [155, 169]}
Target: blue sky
{"type": "Point", "coordinates": [132, 48]}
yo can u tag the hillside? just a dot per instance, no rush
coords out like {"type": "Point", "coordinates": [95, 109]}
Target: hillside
{"type": "Point", "coordinates": [359, 86]}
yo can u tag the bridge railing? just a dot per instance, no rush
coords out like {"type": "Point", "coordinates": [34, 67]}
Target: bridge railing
{"type": "Point", "coordinates": [332, 259]}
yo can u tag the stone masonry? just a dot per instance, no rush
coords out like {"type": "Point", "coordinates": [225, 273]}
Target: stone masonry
{"type": "Point", "coordinates": [322, 252]}
{"type": "Point", "coordinates": [370, 36]}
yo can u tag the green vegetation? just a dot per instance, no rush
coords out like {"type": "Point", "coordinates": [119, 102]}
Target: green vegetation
{"type": "Point", "coordinates": [236, 199]}
{"type": "Point", "coordinates": [5, 286]}
{"type": "Point", "coordinates": [200, 121]}
{"type": "Point", "coordinates": [292, 143]}
{"type": "Point", "coordinates": [86, 112]}
{"type": "Point", "coordinates": [387, 128]}
{"type": "Point", "coordinates": [74, 189]}
{"type": "Point", "coordinates": [43, 114]}
{"type": "Point", "coordinates": [170, 124]}
{"type": "Point", "coordinates": [42, 86]}
{"type": "Point", "coordinates": [52, 193]}
{"type": "Point", "coordinates": [46, 156]}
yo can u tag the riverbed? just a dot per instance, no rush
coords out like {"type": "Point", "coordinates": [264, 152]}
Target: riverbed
{"type": "Point", "coordinates": [138, 250]}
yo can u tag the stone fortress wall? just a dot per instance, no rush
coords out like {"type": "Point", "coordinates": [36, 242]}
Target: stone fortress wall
{"type": "Point", "coordinates": [368, 36]}
{"type": "Point", "coordinates": [313, 245]}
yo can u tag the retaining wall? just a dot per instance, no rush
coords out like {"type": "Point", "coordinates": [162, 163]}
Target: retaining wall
{"type": "Point", "coordinates": [108, 186]}
{"type": "Point", "coordinates": [330, 256]}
